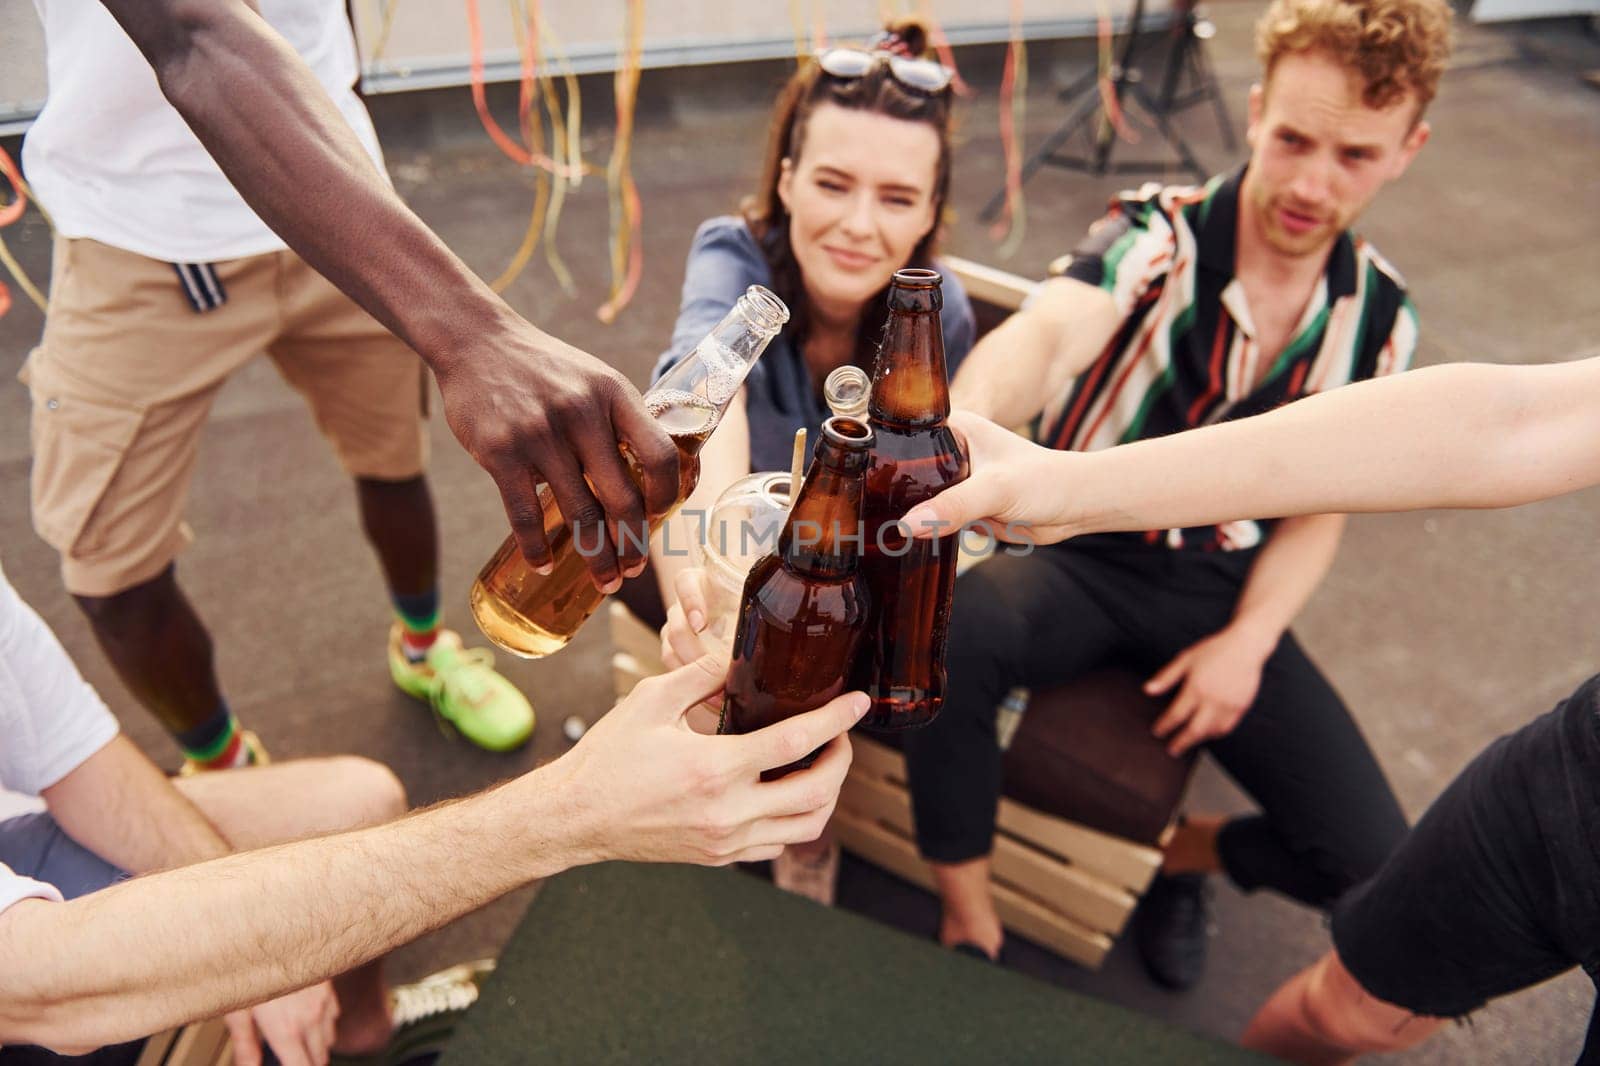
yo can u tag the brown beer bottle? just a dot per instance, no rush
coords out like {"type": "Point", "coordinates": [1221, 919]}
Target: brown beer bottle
{"type": "Point", "coordinates": [914, 456]}
{"type": "Point", "coordinates": [803, 607]}
{"type": "Point", "coordinates": [532, 614]}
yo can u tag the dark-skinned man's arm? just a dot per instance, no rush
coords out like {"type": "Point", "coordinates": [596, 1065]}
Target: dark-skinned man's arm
{"type": "Point", "coordinates": [526, 406]}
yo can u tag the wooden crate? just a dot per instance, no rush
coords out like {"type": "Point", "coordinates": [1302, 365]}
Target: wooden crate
{"type": "Point", "coordinates": [1059, 884]}
{"type": "Point", "coordinates": [200, 1044]}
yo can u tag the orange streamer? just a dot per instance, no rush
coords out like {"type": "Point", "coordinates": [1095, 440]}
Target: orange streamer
{"type": "Point", "coordinates": [941, 46]}
{"type": "Point", "coordinates": [12, 211]}
{"type": "Point", "coordinates": [514, 151]}
{"type": "Point", "coordinates": [1007, 226]}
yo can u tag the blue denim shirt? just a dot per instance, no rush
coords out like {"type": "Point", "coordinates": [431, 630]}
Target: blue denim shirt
{"type": "Point", "coordinates": [724, 260]}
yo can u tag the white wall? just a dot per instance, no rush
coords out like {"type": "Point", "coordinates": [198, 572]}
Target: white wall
{"type": "Point", "coordinates": [428, 41]}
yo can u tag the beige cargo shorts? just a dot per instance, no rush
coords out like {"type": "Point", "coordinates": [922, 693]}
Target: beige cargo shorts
{"type": "Point", "coordinates": [134, 352]}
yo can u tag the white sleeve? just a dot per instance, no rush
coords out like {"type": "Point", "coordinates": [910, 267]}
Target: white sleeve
{"type": "Point", "coordinates": [14, 888]}
{"type": "Point", "coordinates": [51, 720]}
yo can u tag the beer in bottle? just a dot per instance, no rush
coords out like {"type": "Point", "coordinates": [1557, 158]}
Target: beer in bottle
{"type": "Point", "coordinates": [533, 615]}
{"type": "Point", "coordinates": [914, 456]}
{"type": "Point", "coordinates": [803, 607]}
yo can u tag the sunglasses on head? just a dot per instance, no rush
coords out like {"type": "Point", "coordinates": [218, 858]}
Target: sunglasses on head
{"type": "Point", "coordinates": [923, 75]}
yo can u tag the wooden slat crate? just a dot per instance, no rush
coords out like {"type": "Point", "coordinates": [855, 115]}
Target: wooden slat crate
{"type": "Point", "coordinates": [1056, 883]}
{"type": "Point", "coordinates": [200, 1044]}
{"type": "Point", "coordinates": [1060, 884]}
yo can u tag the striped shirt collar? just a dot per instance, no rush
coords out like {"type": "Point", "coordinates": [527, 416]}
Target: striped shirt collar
{"type": "Point", "coordinates": [1215, 222]}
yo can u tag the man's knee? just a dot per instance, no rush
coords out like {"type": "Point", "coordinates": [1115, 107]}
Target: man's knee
{"type": "Point", "coordinates": [130, 605]}
{"type": "Point", "coordinates": [370, 792]}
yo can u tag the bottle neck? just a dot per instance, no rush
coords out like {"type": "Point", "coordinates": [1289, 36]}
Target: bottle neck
{"type": "Point", "coordinates": [691, 398]}
{"type": "Point", "coordinates": [910, 386]}
{"type": "Point", "coordinates": [823, 537]}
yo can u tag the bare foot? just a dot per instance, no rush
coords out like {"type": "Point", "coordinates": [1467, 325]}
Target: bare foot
{"type": "Point", "coordinates": [967, 914]}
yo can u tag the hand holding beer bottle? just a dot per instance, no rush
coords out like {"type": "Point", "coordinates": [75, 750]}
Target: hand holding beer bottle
{"type": "Point", "coordinates": [533, 614]}
{"type": "Point", "coordinates": [804, 605]}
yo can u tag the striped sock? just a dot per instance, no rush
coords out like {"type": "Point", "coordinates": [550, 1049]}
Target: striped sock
{"type": "Point", "coordinates": [419, 622]}
{"type": "Point", "coordinates": [215, 744]}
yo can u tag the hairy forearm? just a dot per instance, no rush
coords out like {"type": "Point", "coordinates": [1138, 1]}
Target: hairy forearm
{"type": "Point", "coordinates": [196, 942]}
{"type": "Point", "coordinates": [1003, 377]}
{"type": "Point", "coordinates": [1032, 356]}
{"type": "Point", "coordinates": [1286, 572]}
{"type": "Point", "coordinates": [276, 134]}
{"type": "Point", "coordinates": [119, 806]}
{"type": "Point", "coordinates": [1464, 435]}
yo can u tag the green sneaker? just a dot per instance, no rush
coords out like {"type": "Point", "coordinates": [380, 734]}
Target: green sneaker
{"type": "Point", "coordinates": [425, 1016]}
{"type": "Point", "coordinates": [464, 690]}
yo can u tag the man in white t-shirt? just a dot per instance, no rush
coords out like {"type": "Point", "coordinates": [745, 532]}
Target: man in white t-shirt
{"type": "Point", "coordinates": [531, 410]}
{"type": "Point", "coordinates": [164, 283]}
{"type": "Point", "coordinates": [89, 956]}
{"type": "Point", "coordinates": [81, 809]}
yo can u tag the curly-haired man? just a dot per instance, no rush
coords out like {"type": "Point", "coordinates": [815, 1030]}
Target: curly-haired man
{"type": "Point", "coordinates": [1184, 307]}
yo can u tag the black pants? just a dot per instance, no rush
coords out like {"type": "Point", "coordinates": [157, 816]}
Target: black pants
{"type": "Point", "coordinates": [1328, 817]}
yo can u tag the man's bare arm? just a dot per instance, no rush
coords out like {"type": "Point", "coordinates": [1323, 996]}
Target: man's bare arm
{"type": "Point", "coordinates": [195, 942]}
{"type": "Point", "coordinates": [119, 806]}
{"type": "Point", "coordinates": [200, 941]}
{"type": "Point", "coordinates": [1286, 572]}
{"type": "Point", "coordinates": [526, 406]}
{"type": "Point", "coordinates": [1031, 357]}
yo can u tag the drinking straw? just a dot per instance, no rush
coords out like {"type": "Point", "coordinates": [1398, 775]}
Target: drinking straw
{"type": "Point", "coordinates": [797, 465]}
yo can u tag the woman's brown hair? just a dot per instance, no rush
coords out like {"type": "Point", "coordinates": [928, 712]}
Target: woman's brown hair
{"type": "Point", "coordinates": [878, 92]}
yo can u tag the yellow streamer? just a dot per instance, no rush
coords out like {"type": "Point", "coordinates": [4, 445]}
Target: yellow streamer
{"type": "Point", "coordinates": [550, 184]}
{"type": "Point", "coordinates": [22, 279]}
{"type": "Point", "coordinates": [386, 28]}
{"type": "Point", "coordinates": [627, 254]}
{"type": "Point", "coordinates": [798, 18]}
{"type": "Point", "coordinates": [532, 129]}
{"type": "Point", "coordinates": [568, 146]}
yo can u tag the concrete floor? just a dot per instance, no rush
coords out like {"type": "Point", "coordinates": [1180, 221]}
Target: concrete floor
{"type": "Point", "coordinates": [1442, 630]}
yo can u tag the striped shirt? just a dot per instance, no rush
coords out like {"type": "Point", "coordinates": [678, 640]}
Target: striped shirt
{"type": "Point", "coordinates": [1186, 353]}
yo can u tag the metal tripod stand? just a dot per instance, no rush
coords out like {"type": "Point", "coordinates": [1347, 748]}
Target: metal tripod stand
{"type": "Point", "coordinates": [1094, 132]}
{"type": "Point", "coordinates": [1187, 58]}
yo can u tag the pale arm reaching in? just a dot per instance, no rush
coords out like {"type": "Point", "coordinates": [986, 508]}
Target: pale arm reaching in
{"type": "Point", "coordinates": [1462, 435]}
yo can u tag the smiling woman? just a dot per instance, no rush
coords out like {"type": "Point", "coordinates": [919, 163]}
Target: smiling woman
{"type": "Point", "coordinates": [855, 181]}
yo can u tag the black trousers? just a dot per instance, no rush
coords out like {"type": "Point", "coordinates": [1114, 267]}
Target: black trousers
{"type": "Point", "coordinates": [1328, 817]}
